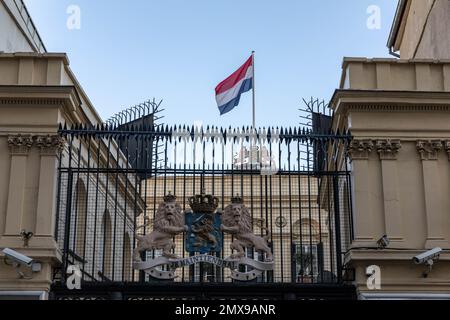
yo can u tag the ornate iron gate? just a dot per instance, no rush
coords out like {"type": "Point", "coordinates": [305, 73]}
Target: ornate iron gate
{"type": "Point", "coordinates": [113, 180]}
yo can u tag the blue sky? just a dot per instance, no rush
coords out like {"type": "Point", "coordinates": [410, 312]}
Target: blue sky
{"type": "Point", "coordinates": [178, 50]}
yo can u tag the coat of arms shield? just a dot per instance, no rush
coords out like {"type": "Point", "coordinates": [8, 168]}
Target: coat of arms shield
{"type": "Point", "coordinates": [203, 222]}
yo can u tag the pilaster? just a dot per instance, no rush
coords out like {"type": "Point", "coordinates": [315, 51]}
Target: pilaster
{"type": "Point", "coordinates": [387, 151]}
{"type": "Point", "coordinates": [428, 151]}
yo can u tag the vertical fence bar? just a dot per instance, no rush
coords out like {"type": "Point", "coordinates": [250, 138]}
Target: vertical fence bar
{"type": "Point", "coordinates": [300, 216]}
{"type": "Point", "coordinates": [97, 176]}
{"type": "Point", "coordinates": [106, 218]}
{"type": "Point", "coordinates": [125, 215]}
{"type": "Point", "coordinates": [280, 214]}
{"type": "Point", "coordinates": [58, 196]}
{"type": "Point", "coordinates": [116, 213]}
{"type": "Point", "coordinates": [337, 223]}
{"type": "Point", "coordinates": [86, 205]}
{"type": "Point", "coordinates": [291, 239]}
{"type": "Point", "coordinates": [68, 213]}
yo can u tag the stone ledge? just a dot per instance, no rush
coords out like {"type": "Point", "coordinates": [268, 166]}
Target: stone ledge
{"type": "Point", "coordinates": [395, 74]}
{"type": "Point", "coordinates": [359, 254]}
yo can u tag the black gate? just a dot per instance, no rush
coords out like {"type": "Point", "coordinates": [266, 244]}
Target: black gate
{"type": "Point", "coordinates": [112, 179]}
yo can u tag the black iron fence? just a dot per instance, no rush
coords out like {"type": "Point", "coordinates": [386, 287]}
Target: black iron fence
{"type": "Point", "coordinates": [112, 180]}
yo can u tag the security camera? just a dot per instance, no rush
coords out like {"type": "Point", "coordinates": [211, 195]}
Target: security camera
{"type": "Point", "coordinates": [425, 257]}
{"type": "Point", "coordinates": [383, 242]}
{"type": "Point", "coordinates": [428, 258]}
{"type": "Point", "coordinates": [18, 257]}
{"type": "Point", "coordinates": [17, 260]}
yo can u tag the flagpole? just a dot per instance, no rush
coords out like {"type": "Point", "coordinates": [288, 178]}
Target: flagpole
{"type": "Point", "coordinates": [253, 80]}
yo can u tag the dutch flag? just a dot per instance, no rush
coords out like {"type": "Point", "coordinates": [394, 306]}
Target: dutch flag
{"type": "Point", "coordinates": [228, 92]}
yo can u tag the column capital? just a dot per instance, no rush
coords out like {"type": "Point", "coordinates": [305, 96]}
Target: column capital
{"type": "Point", "coordinates": [388, 149]}
{"type": "Point", "coordinates": [360, 149]}
{"type": "Point", "coordinates": [20, 144]}
{"type": "Point", "coordinates": [429, 149]}
{"type": "Point", "coordinates": [49, 144]}
{"type": "Point", "coordinates": [447, 148]}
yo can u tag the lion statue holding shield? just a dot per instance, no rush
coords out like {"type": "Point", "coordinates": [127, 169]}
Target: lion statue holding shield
{"type": "Point", "coordinates": [169, 221]}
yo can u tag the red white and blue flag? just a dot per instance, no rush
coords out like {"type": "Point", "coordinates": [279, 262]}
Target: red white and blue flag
{"type": "Point", "coordinates": [228, 92]}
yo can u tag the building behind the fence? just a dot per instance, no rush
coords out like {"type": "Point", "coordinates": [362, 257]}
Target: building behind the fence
{"type": "Point", "coordinates": [302, 231]}
{"type": "Point", "coordinates": [397, 111]}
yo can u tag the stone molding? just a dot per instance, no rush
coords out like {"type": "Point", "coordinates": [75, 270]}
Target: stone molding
{"type": "Point", "coordinates": [429, 150]}
{"type": "Point", "coordinates": [388, 149]}
{"type": "Point", "coordinates": [447, 148]}
{"type": "Point", "coordinates": [20, 144]}
{"type": "Point", "coordinates": [48, 144]}
{"type": "Point", "coordinates": [360, 149]}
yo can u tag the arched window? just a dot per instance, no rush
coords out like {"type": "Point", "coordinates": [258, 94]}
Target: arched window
{"type": "Point", "coordinates": [307, 229]}
{"type": "Point", "coordinates": [107, 244]}
{"type": "Point", "coordinates": [127, 259]}
{"type": "Point", "coordinates": [80, 216]}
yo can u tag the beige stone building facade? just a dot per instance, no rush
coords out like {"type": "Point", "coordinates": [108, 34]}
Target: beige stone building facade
{"type": "Point", "coordinates": [420, 29]}
{"type": "Point", "coordinates": [398, 113]}
{"type": "Point", "coordinates": [397, 110]}
{"type": "Point", "coordinates": [38, 93]}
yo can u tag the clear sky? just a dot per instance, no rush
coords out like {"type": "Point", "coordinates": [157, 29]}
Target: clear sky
{"type": "Point", "coordinates": [178, 50]}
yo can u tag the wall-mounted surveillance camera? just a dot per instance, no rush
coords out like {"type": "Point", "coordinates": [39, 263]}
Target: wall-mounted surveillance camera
{"type": "Point", "coordinates": [17, 260]}
{"type": "Point", "coordinates": [383, 242]}
{"type": "Point", "coordinates": [17, 257]}
{"type": "Point", "coordinates": [432, 254]}
{"type": "Point", "coordinates": [428, 258]}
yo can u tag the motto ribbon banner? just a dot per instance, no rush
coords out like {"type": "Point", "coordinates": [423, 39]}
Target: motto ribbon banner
{"type": "Point", "coordinates": [151, 267]}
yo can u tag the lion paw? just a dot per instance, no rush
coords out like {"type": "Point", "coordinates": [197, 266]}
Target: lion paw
{"type": "Point", "coordinates": [237, 256]}
{"type": "Point", "coordinates": [170, 256]}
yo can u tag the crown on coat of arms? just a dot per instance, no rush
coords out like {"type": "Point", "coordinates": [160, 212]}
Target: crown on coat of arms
{"type": "Point", "coordinates": [237, 199]}
{"type": "Point", "coordinates": [204, 203]}
{"type": "Point", "coordinates": [170, 197]}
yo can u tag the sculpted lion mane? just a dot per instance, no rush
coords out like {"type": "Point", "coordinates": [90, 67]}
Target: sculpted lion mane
{"type": "Point", "coordinates": [169, 221]}
{"type": "Point", "coordinates": [237, 221]}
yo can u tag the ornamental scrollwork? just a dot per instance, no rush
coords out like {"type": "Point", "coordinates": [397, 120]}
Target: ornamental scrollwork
{"type": "Point", "coordinates": [49, 144]}
{"type": "Point", "coordinates": [429, 150]}
{"type": "Point", "coordinates": [21, 144]}
{"type": "Point", "coordinates": [360, 149]}
{"type": "Point", "coordinates": [388, 149]}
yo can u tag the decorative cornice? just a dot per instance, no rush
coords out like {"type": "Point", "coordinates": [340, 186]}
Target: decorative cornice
{"type": "Point", "coordinates": [388, 149]}
{"type": "Point", "coordinates": [360, 149]}
{"type": "Point", "coordinates": [40, 95]}
{"type": "Point", "coordinates": [20, 144]}
{"type": "Point", "coordinates": [32, 101]}
{"type": "Point", "coordinates": [429, 150]}
{"type": "Point", "coordinates": [366, 107]}
{"type": "Point", "coordinates": [50, 144]}
{"type": "Point", "coordinates": [373, 100]}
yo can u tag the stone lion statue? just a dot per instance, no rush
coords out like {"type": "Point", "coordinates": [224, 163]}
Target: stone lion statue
{"type": "Point", "coordinates": [236, 220]}
{"type": "Point", "coordinates": [169, 221]}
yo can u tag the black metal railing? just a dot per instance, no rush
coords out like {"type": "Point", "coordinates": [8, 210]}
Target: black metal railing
{"type": "Point", "coordinates": [112, 179]}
